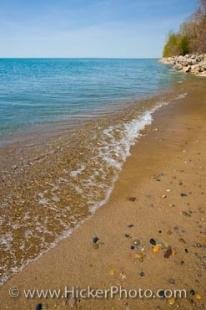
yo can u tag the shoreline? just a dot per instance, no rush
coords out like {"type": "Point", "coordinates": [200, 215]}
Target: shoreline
{"type": "Point", "coordinates": [51, 183]}
{"type": "Point", "coordinates": [146, 195]}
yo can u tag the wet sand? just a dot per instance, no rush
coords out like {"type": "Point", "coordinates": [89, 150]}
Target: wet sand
{"type": "Point", "coordinates": [151, 233]}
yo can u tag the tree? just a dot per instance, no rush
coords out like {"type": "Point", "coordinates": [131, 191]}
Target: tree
{"type": "Point", "coordinates": [191, 37]}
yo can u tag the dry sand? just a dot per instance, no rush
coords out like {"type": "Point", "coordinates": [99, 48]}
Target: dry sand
{"type": "Point", "coordinates": [160, 195]}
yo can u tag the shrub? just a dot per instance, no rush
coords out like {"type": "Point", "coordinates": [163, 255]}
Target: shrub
{"type": "Point", "coordinates": [176, 45]}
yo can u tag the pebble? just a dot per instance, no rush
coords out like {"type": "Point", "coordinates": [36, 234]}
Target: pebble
{"type": "Point", "coordinates": [130, 225]}
{"type": "Point", "coordinates": [192, 292]}
{"type": "Point", "coordinates": [153, 242]}
{"type": "Point", "coordinates": [132, 199]}
{"type": "Point", "coordinates": [186, 213]}
{"type": "Point", "coordinates": [142, 274]}
{"type": "Point", "coordinates": [136, 242]}
{"type": "Point", "coordinates": [171, 301]}
{"type": "Point", "coordinates": [168, 253]}
{"type": "Point", "coordinates": [95, 242]}
{"type": "Point", "coordinates": [95, 239]}
{"type": "Point", "coordinates": [157, 248]}
{"type": "Point", "coordinates": [198, 296]}
{"type": "Point", "coordinates": [183, 195]}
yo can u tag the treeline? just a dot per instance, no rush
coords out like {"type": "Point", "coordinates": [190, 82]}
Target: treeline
{"type": "Point", "coordinates": [191, 37]}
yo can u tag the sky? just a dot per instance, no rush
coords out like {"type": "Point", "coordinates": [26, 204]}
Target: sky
{"type": "Point", "coordinates": [89, 28]}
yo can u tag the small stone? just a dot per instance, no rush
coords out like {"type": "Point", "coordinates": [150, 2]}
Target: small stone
{"type": "Point", "coordinates": [132, 199]}
{"type": "Point", "coordinates": [95, 239]}
{"type": "Point", "coordinates": [153, 242]}
{"type": "Point", "coordinates": [164, 196]}
{"type": "Point", "coordinates": [192, 292]}
{"type": "Point", "coordinates": [186, 251]}
{"type": "Point", "coordinates": [39, 307]}
{"type": "Point", "coordinates": [130, 225]}
{"type": "Point", "coordinates": [159, 231]}
{"type": "Point", "coordinates": [168, 253]}
{"type": "Point", "coordinates": [186, 213]}
{"type": "Point", "coordinates": [136, 242]}
{"type": "Point", "coordinates": [171, 301]}
{"type": "Point", "coordinates": [142, 274]}
{"type": "Point", "coordinates": [156, 249]}
{"type": "Point", "coordinates": [127, 236]}
{"type": "Point", "coordinates": [183, 195]}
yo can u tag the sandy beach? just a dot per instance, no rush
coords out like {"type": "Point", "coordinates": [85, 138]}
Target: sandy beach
{"type": "Point", "coordinates": [150, 235]}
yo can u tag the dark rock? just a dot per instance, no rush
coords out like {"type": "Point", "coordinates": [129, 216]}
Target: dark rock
{"type": "Point", "coordinates": [127, 236]}
{"type": "Point", "coordinates": [95, 239]}
{"type": "Point", "coordinates": [186, 213]}
{"type": "Point", "coordinates": [130, 225]}
{"type": "Point", "coordinates": [39, 307]}
{"type": "Point", "coordinates": [168, 253]}
{"type": "Point", "coordinates": [142, 274]}
{"type": "Point", "coordinates": [183, 195]}
{"type": "Point", "coordinates": [153, 242]}
{"type": "Point", "coordinates": [132, 199]}
{"type": "Point", "coordinates": [192, 292]}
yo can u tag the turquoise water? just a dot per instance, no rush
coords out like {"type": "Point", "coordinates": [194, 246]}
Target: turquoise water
{"type": "Point", "coordinates": [36, 91]}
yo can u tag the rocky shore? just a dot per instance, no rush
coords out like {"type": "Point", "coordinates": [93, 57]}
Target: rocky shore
{"type": "Point", "coordinates": [195, 64]}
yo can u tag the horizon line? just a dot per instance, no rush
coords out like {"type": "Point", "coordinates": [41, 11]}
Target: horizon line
{"type": "Point", "coordinates": [59, 57]}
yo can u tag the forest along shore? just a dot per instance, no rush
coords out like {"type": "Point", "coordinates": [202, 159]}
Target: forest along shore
{"type": "Point", "coordinates": [195, 64]}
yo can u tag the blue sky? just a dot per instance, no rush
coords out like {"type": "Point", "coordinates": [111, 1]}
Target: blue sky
{"type": "Point", "coordinates": [89, 28]}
